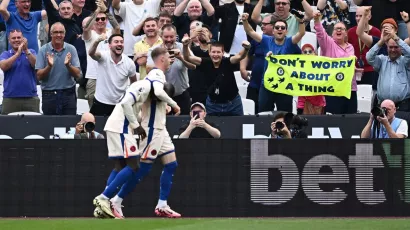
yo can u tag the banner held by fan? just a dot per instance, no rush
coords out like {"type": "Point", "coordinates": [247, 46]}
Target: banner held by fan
{"type": "Point", "coordinates": [308, 75]}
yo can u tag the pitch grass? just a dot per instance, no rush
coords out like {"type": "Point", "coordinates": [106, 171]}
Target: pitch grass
{"type": "Point", "coordinates": [208, 223]}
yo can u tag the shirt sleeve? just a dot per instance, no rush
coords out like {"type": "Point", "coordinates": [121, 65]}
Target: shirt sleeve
{"type": "Point", "coordinates": [37, 16]}
{"type": "Point", "coordinates": [4, 56]}
{"type": "Point", "coordinates": [122, 11]}
{"type": "Point", "coordinates": [324, 40]}
{"type": "Point", "coordinates": [41, 59]}
{"type": "Point", "coordinates": [75, 61]}
{"type": "Point", "coordinates": [132, 70]}
{"type": "Point", "coordinates": [403, 128]}
{"type": "Point", "coordinates": [266, 40]}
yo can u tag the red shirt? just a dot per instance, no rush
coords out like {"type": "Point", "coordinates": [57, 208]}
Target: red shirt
{"type": "Point", "coordinates": [354, 40]}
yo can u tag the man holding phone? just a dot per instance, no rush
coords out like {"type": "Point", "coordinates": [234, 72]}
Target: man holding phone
{"type": "Point", "coordinates": [198, 127]}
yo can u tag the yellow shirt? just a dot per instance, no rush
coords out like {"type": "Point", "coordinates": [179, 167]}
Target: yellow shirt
{"type": "Point", "coordinates": [143, 47]}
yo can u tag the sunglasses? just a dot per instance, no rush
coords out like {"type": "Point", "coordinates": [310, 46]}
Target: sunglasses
{"type": "Point", "coordinates": [308, 51]}
{"type": "Point", "coordinates": [100, 19]}
{"type": "Point", "coordinates": [265, 24]}
{"type": "Point", "coordinates": [339, 29]}
{"type": "Point", "coordinates": [280, 27]}
{"type": "Point", "coordinates": [14, 30]}
{"type": "Point", "coordinates": [281, 3]}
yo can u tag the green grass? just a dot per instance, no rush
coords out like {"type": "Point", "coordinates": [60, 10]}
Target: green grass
{"type": "Point", "coordinates": [207, 223]}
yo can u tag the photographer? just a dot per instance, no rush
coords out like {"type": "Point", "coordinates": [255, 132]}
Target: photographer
{"type": "Point", "coordinates": [386, 125]}
{"type": "Point", "coordinates": [288, 126]}
{"type": "Point", "coordinates": [198, 127]}
{"type": "Point", "coordinates": [279, 127]}
{"type": "Point", "coordinates": [85, 128]}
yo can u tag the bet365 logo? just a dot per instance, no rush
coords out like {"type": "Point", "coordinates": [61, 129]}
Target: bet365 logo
{"type": "Point", "coordinates": [309, 178]}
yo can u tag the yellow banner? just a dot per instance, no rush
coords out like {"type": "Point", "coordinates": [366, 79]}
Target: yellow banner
{"type": "Point", "coordinates": [308, 75]}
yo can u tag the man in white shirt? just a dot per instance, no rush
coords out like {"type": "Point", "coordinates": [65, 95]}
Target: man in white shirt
{"type": "Point", "coordinates": [158, 143]}
{"type": "Point", "coordinates": [93, 27]}
{"type": "Point", "coordinates": [133, 13]}
{"type": "Point", "coordinates": [114, 69]}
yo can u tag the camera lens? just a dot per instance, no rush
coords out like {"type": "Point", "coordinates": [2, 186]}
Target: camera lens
{"type": "Point", "coordinates": [279, 125]}
{"type": "Point", "coordinates": [89, 127]}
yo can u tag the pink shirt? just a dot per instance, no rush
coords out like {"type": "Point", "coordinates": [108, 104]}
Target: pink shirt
{"type": "Point", "coordinates": [329, 48]}
{"type": "Point", "coordinates": [314, 100]}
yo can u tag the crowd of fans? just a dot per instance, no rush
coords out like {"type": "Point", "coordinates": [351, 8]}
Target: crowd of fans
{"type": "Point", "coordinates": [207, 40]}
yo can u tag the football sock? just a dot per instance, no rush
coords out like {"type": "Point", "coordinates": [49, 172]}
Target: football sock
{"type": "Point", "coordinates": [112, 176]}
{"type": "Point", "coordinates": [123, 176]}
{"type": "Point", "coordinates": [166, 181]}
{"type": "Point", "coordinates": [130, 184]}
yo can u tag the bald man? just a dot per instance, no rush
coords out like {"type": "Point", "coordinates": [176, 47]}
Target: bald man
{"type": "Point", "coordinates": [389, 125]}
{"type": "Point", "coordinates": [80, 133]}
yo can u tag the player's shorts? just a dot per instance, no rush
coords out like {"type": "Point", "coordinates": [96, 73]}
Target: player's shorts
{"type": "Point", "coordinates": [157, 144]}
{"type": "Point", "coordinates": [121, 145]}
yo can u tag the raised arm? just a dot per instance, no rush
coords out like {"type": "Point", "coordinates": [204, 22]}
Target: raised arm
{"type": "Point", "coordinates": [242, 54]}
{"type": "Point", "coordinates": [138, 28]}
{"type": "Point", "coordinates": [3, 10]}
{"type": "Point", "coordinates": [308, 11]}
{"type": "Point", "coordinates": [206, 5]}
{"type": "Point", "coordinates": [249, 30]}
{"type": "Point", "coordinates": [371, 55]}
{"type": "Point", "coordinates": [342, 4]}
{"type": "Point", "coordinates": [299, 35]}
{"type": "Point", "coordinates": [323, 39]}
{"type": "Point", "coordinates": [405, 49]}
{"type": "Point", "coordinates": [358, 2]}
{"type": "Point", "coordinates": [179, 10]}
{"type": "Point", "coordinates": [186, 63]}
{"type": "Point", "coordinates": [93, 49]}
{"type": "Point", "coordinates": [364, 37]}
{"type": "Point", "coordinates": [186, 41]}
{"type": "Point", "coordinates": [405, 17]}
{"type": "Point", "coordinates": [116, 29]}
{"type": "Point", "coordinates": [256, 14]}
{"type": "Point", "coordinates": [321, 4]}
{"type": "Point", "coordinates": [116, 4]}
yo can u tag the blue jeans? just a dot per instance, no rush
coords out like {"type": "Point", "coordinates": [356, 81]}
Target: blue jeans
{"type": "Point", "coordinates": [402, 32]}
{"type": "Point", "coordinates": [232, 108]}
{"type": "Point", "coordinates": [59, 102]}
{"type": "Point", "coordinates": [268, 99]}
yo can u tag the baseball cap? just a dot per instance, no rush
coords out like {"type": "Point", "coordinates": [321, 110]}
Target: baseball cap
{"type": "Point", "coordinates": [198, 104]}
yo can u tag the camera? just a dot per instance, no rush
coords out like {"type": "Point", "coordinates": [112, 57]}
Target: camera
{"type": "Point", "coordinates": [297, 124]}
{"type": "Point", "coordinates": [279, 125]}
{"type": "Point", "coordinates": [88, 127]}
{"type": "Point", "coordinates": [378, 112]}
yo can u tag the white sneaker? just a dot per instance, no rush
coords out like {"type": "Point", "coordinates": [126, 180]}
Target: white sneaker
{"type": "Point", "coordinates": [98, 213]}
{"type": "Point", "coordinates": [104, 205]}
{"type": "Point", "coordinates": [116, 209]}
{"type": "Point", "coordinates": [166, 212]}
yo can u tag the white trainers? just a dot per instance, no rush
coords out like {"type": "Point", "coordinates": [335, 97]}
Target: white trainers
{"type": "Point", "coordinates": [104, 205]}
{"type": "Point", "coordinates": [166, 212]}
{"type": "Point", "coordinates": [98, 213]}
{"type": "Point", "coordinates": [117, 210]}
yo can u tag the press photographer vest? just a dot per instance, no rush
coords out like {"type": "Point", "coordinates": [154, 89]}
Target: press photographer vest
{"type": "Point", "coordinates": [383, 132]}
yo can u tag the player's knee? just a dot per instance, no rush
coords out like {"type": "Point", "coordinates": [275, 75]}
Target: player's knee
{"type": "Point", "coordinates": [133, 163]}
{"type": "Point", "coordinates": [171, 167]}
{"type": "Point", "coordinates": [119, 164]}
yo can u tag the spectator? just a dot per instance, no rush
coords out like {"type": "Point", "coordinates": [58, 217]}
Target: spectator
{"type": "Point", "coordinates": [336, 46]}
{"type": "Point", "coordinates": [177, 73]}
{"type": "Point", "coordinates": [134, 13]}
{"type": "Point", "coordinates": [199, 80]}
{"type": "Point", "coordinates": [84, 129]}
{"type": "Point", "coordinates": [282, 12]}
{"type": "Point", "coordinates": [23, 20]}
{"type": "Point", "coordinates": [352, 13]}
{"type": "Point", "coordinates": [93, 27]}
{"type": "Point", "coordinates": [232, 32]}
{"type": "Point", "coordinates": [333, 11]}
{"type": "Point", "coordinates": [389, 126]}
{"type": "Point", "coordinates": [57, 66]}
{"type": "Point", "coordinates": [198, 127]}
{"type": "Point", "coordinates": [20, 90]}
{"type": "Point", "coordinates": [164, 18]}
{"type": "Point", "coordinates": [114, 69]}
{"type": "Point", "coordinates": [150, 39]}
{"type": "Point", "coordinates": [280, 131]}
{"type": "Point", "coordinates": [394, 69]}
{"type": "Point", "coordinates": [167, 6]}
{"type": "Point", "coordinates": [259, 63]}
{"type": "Point", "coordinates": [311, 105]}
{"type": "Point", "coordinates": [223, 98]}
{"type": "Point", "coordinates": [278, 44]}
{"type": "Point", "coordinates": [183, 20]}
{"type": "Point", "coordinates": [369, 76]}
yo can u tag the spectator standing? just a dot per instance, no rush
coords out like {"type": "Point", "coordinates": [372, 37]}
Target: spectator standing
{"type": "Point", "coordinates": [177, 74]}
{"type": "Point", "coordinates": [20, 90]}
{"type": "Point", "coordinates": [336, 46]}
{"type": "Point", "coordinates": [134, 13]}
{"type": "Point", "coordinates": [394, 70]}
{"type": "Point", "coordinates": [198, 127]}
{"type": "Point", "coordinates": [333, 11]}
{"type": "Point", "coordinates": [223, 98]}
{"type": "Point", "coordinates": [114, 69]}
{"type": "Point", "coordinates": [93, 27]}
{"type": "Point", "coordinates": [369, 76]}
{"type": "Point", "coordinates": [57, 67]}
{"type": "Point", "coordinates": [23, 20]}
{"type": "Point", "coordinates": [151, 38]}
{"type": "Point", "coordinates": [167, 6]}
{"type": "Point", "coordinates": [278, 44]}
{"type": "Point", "coordinates": [183, 20]}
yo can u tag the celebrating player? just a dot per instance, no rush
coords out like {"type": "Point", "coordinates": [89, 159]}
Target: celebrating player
{"type": "Point", "coordinates": [153, 118]}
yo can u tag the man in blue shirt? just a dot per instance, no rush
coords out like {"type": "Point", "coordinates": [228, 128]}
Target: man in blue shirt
{"type": "Point", "coordinates": [278, 44]}
{"type": "Point", "coordinates": [20, 90]}
{"type": "Point", "coordinates": [23, 20]}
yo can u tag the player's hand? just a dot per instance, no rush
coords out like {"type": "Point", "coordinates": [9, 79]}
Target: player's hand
{"type": "Point", "coordinates": [141, 132]}
{"type": "Point", "coordinates": [67, 59]}
{"type": "Point", "coordinates": [176, 110]}
{"type": "Point", "coordinates": [50, 59]}
{"type": "Point", "coordinates": [245, 16]}
{"type": "Point", "coordinates": [79, 128]}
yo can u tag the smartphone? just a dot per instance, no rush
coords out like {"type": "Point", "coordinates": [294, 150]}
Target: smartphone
{"type": "Point", "coordinates": [199, 25]}
{"type": "Point", "coordinates": [297, 13]}
{"type": "Point", "coordinates": [195, 113]}
{"type": "Point", "coordinates": [171, 52]}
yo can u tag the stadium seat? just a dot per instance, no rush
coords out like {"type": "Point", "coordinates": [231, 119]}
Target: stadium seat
{"type": "Point", "coordinates": [82, 106]}
{"type": "Point", "coordinates": [364, 105]}
{"type": "Point", "coordinates": [1, 94]}
{"type": "Point", "coordinates": [243, 89]}
{"type": "Point", "coordinates": [34, 137]}
{"type": "Point", "coordinates": [265, 113]}
{"type": "Point", "coordinates": [76, 89]}
{"type": "Point", "coordinates": [24, 113]}
{"type": "Point", "coordinates": [239, 79]}
{"type": "Point", "coordinates": [294, 104]}
{"type": "Point", "coordinates": [5, 137]}
{"type": "Point", "coordinates": [40, 96]}
{"type": "Point", "coordinates": [364, 92]}
{"type": "Point", "coordinates": [248, 106]}
{"type": "Point", "coordinates": [310, 38]}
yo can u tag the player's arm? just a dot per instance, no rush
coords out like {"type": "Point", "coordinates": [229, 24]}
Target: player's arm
{"type": "Point", "coordinates": [163, 96]}
{"type": "Point", "coordinates": [131, 104]}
